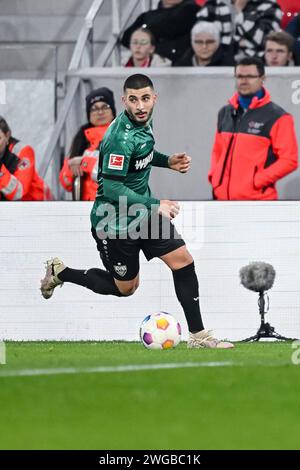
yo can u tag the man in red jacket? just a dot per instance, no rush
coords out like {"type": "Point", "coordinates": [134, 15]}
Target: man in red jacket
{"type": "Point", "coordinates": [19, 180]}
{"type": "Point", "coordinates": [255, 143]}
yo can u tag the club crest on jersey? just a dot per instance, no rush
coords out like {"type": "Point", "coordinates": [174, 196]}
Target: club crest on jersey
{"type": "Point", "coordinates": [120, 269]}
{"type": "Point", "coordinates": [116, 162]}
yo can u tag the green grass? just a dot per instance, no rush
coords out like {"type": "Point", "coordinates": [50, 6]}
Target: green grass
{"type": "Point", "coordinates": [253, 404]}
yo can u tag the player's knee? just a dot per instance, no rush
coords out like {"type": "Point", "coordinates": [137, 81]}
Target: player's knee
{"type": "Point", "coordinates": [129, 290]}
{"type": "Point", "coordinates": [187, 258]}
{"type": "Point", "coordinates": [184, 259]}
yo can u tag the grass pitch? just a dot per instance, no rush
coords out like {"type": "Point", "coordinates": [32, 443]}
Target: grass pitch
{"type": "Point", "coordinates": [246, 398]}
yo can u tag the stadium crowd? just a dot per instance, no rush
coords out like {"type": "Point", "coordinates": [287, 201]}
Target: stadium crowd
{"type": "Point", "coordinates": [195, 33]}
{"type": "Point", "coordinates": [210, 32]}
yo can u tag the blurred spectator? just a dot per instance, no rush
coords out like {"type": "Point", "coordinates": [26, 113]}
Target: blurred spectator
{"type": "Point", "coordinates": [19, 180]}
{"type": "Point", "coordinates": [289, 9]}
{"type": "Point", "coordinates": [142, 47]}
{"type": "Point", "coordinates": [170, 24]}
{"type": "Point", "coordinates": [279, 49]}
{"type": "Point", "coordinates": [200, 2]}
{"type": "Point", "coordinates": [81, 166]}
{"type": "Point", "coordinates": [293, 28]}
{"type": "Point", "coordinates": [206, 48]}
{"type": "Point", "coordinates": [219, 12]}
{"type": "Point", "coordinates": [254, 20]}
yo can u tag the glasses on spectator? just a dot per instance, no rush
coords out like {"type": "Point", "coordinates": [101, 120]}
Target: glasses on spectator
{"type": "Point", "coordinates": [141, 42]}
{"type": "Point", "coordinates": [100, 109]}
{"type": "Point", "coordinates": [247, 77]}
{"type": "Point", "coordinates": [209, 42]}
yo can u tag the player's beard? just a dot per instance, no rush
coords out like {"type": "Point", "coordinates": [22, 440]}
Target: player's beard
{"type": "Point", "coordinates": [141, 123]}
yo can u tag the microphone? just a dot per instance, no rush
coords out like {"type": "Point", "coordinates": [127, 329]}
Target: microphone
{"type": "Point", "coordinates": [258, 276]}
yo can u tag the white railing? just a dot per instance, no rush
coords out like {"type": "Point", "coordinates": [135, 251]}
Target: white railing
{"type": "Point", "coordinates": [81, 57]}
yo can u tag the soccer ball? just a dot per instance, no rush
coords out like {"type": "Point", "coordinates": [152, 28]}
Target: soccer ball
{"type": "Point", "coordinates": [160, 331]}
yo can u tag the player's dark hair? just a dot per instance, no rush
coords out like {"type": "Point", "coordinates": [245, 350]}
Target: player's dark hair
{"type": "Point", "coordinates": [137, 81]}
{"type": "Point", "coordinates": [4, 127]}
{"type": "Point", "coordinates": [252, 61]}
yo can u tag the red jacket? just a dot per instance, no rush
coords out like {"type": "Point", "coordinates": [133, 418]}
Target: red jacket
{"type": "Point", "coordinates": [252, 150]}
{"type": "Point", "coordinates": [19, 179]}
{"type": "Point", "coordinates": [89, 165]}
{"type": "Point", "coordinates": [289, 8]}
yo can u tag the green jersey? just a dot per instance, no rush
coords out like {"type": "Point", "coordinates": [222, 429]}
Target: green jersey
{"type": "Point", "coordinates": [125, 160]}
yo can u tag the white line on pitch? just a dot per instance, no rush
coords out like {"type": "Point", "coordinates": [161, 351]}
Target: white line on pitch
{"type": "Point", "coordinates": [104, 369]}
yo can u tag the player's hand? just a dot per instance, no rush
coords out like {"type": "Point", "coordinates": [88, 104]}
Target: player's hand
{"type": "Point", "coordinates": [168, 208]}
{"type": "Point", "coordinates": [180, 162]}
{"type": "Point", "coordinates": [74, 165]}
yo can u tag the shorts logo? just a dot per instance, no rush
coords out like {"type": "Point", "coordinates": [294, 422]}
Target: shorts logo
{"type": "Point", "coordinates": [120, 269]}
{"type": "Point", "coordinates": [116, 162]}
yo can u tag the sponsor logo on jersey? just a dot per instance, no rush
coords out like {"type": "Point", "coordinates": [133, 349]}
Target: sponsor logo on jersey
{"type": "Point", "coordinates": [116, 162]}
{"type": "Point", "coordinates": [121, 269]}
{"type": "Point", "coordinates": [141, 164]}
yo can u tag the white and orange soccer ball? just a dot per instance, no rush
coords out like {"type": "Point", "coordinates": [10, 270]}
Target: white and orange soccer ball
{"type": "Point", "coordinates": [160, 331]}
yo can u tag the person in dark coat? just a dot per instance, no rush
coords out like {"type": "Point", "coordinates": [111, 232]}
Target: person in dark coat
{"type": "Point", "coordinates": [170, 24]}
{"type": "Point", "coordinates": [293, 28]}
{"type": "Point", "coordinates": [254, 20]}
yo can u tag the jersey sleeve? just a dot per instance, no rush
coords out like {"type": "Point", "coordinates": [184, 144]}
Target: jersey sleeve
{"type": "Point", "coordinates": [116, 153]}
{"type": "Point", "coordinates": [160, 159]}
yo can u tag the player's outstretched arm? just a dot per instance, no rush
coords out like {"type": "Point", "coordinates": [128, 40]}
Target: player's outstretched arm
{"type": "Point", "coordinates": [180, 162]}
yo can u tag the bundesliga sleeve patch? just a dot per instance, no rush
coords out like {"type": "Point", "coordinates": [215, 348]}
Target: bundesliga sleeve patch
{"type": "Point", "coordinates": [116, 162]}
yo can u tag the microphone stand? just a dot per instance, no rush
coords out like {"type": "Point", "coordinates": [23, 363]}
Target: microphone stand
{"type": "Point", "coordinates": [265, 330]}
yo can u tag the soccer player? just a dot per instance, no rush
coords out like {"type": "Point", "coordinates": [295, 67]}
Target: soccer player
{"type": "Point", "coordinates": [126, 157]}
